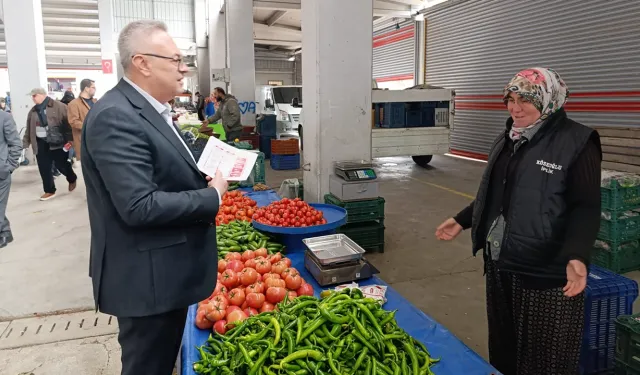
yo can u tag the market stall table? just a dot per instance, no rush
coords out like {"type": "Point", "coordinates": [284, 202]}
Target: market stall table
{"type": "Point", "coordinates": [456, 357]}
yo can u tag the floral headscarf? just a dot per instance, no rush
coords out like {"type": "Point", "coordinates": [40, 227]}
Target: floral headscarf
{"type": "Point", "coordinates": [543, 87]}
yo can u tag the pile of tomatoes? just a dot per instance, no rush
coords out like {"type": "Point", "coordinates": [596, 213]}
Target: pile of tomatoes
{"type": "Point", "coordinates": [235, 206]}
{"type": "Point", "coordinates": [289, 213]}
{"type": "Point", "coordinates": [248, 284]}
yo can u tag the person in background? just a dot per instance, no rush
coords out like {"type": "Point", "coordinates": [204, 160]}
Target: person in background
{"type": "Point", "coordinates": [153, 246]}
{"type": "Point", "coordinates": [200, 106]}
{"type": "Point", "coordinates": [7, 101]}
{"type": "Point", "coordinates": [77, 112]}
{"type": "Point", "coordinates": [229, 112]}
{"type": "Point", "coordinates": [48, 132]}
{"type": "Point", "coordinates": [536, 217]}
{"type": "Point", "coordinates": [68, 96]}
{"type": "Point", "coordinates": [3, 105]}
{"type": "Point", "coordinates": [210, 107]}
{"type": "Point", "coordinates": [10, 150]}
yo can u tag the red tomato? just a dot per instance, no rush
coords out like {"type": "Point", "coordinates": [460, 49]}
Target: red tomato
{"type": "Point", "coordinates": [289, 271]}
{"type": "Point", "coordinates": [263, 266]}
{"type": "Point", "coordinates": [220, 327]}
{"type": "Point", "coordinates": [255, 300]}
{"type": "Point", "coordinates": [293, 281]}
{"type": "Point", "coordinates": [259, 277]}
{"type": "Point", "coordinates": [278, 267]}
{"type": "Point", "coordinates": [261, 252]}
{"type": "Point", "coordinates": [203, 302]}
{"type": "Point", "coordinates": [251, 263]}
{"type": "Point", "coordinates": [276, 294]}
{"type": "Point", "coordinates": [274, 258]}
{"type": "Point", "coordinates": [274, 282]}
{"type": "Point", "coordinates": [305, 290]}
{"type": "Point", "coordinates": [249, 254]}
{"type": "Point", "coordinates": [202, 322]}
{"type": "Point", "coordinates": [287, 261]}
{"type": "Point", "coordinates": [270, 275]}
{"type": "Point", "coordinates": [229, 279]}
{"type": "Point", "coordinates": [218, 285]}
{"type": "Point", "coordinates": [253, 288]}
{"type": "Point", "coordinates": [214, 312]}
{"type": "Point", "coordinates": [232, 256]}
{"type": "Point", "coordinates": [250, 311]}
{"type": "Point", "coordinates": [222, 265]}
{"type": "Point", "coordinates": [221, 300]}
{"type": "Point", "coordinates": [235, 265]}
{"type": "Point", "coordinates": [248, 276]}
{"type": "Point", "coordinates": [235, 317]}
{"type": "Point", "coordinates": [266, 307]}
{"type": "Point", "coordinates": [291, 295]}
{"type": "Point", "coordinates": [231, 309]}
{"type": "Point", "coordinates": [236, 297]}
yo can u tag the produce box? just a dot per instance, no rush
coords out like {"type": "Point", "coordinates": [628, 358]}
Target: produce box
{"type": "Point", "coordinates": [369, 235]}
{"type": "Point", "coordinates": [619, 191]}
{"type": "Point", "coordinates": [623, 369]}
{"type": "Point", "coordinates": [267, 126]}
{"type": "Point", "coordinates": [252, 138]}
{"type": "Point", "coordinates": [628, 343]}
{"type": "Point", "coordinates": [359, 211]}
{"type": "Point", "coordinates": [607, 296]}
{"type": "Point", "coordinates": [617, 257]}
{"type": "Point", "coordinates": [265, 145]}
{"type": "Point", "coordinates": [285, 146]}
{"type": "Point", "coordinates": [619, 226]}
{"type": "Point", "coordinates": [284, 162]}
{"type": "Point", "coordinates": [258, 173]}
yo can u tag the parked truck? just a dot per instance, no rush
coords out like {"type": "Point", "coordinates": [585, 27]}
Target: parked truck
{"type": "Point", "coordinates": [283, 101]}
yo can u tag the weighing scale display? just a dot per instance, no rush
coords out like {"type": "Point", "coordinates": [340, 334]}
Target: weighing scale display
{"type": "Point", "coordinates": [359, 174]}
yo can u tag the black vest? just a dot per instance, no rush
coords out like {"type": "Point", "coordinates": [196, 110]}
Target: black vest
{"type": "Point", "coordinates": [536, 218]}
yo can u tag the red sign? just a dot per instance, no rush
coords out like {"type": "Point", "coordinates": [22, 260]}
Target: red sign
{"type": "Point", "coordinates": [107, 66]}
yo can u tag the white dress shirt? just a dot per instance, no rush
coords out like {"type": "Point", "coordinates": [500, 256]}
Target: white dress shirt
{"type": "Point", "coordinates": [165, 111]}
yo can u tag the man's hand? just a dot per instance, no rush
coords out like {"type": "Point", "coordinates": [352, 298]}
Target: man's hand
{"type": "Point", "coordinates": [205, 122]}
{"type": "Point", "coordinates": [219, 183]}
{"type": "Point", "coordinates": [576, 278]}
{"type": "Point", "coordinates": [448, 230]}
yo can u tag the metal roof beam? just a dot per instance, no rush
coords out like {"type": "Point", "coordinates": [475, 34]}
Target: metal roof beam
{"type": "Point", "coordinates": [277, 5]}
{"type": "Point", "coordinates": [282, 43]}
{"type": "Point", "coordinates": [275, 17]}
{"type": "Point", "coordinates": [259, 27]}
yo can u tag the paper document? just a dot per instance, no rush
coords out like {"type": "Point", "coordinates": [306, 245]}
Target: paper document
{"type": "Point", "coordinates": [233, 163]}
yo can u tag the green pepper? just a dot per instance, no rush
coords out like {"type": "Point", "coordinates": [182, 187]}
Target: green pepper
{"type": "Point", "coordinates": [299, 333]}
{"type": "Point", "coordinates": [301, 354]}
{"type": "Point", "coordinates": [360, 359]}
{"type": "Point", "coordinates": [245, 354]}
{"type": "Point", "coordinates": [388, 318]}
{"type": "Point", "coordinates": [412, 356]}
{"type": "Point", "coordinates": [333, 365]}
{"type": "Point", "coordinates": [315, 325]}
{"type": "Point", "coordinates": [369, 315]}
{"type": "Point", "coordinates": [258, 365]}
{"type": "Point", "coordinates": [328, 334]}
{"type": "Point", "coordinates": [334, 318]}
{"type": "Point", "coordinates": [365, 342]}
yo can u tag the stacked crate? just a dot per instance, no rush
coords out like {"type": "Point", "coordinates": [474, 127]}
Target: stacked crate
{"type": "Point", "coordinates": [607, 296]}
{"type": "Point", "coordinates": [258, 173]}
{"type": "Point", "coordinates": [628, 345]}
{"type": "Point", "coordinates": [618, 245]}
{"type": "Point", "coordinates": [365, 221]}
{"type": "Point", "coordinates": [285, 154]}
{"type": "Point", "coordinates": [267, 127]}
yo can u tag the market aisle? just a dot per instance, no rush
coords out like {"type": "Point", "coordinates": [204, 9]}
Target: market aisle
{"type": "Point", "coordinates": [46, 268]}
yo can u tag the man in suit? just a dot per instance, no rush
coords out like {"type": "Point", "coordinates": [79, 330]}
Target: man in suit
{"type": "Point", "coordinates": [10, 150]}
{"type": "Point", "coordinates": [153, 244]}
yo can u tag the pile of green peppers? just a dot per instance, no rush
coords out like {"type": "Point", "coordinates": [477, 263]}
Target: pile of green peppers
{"type": "Point", "coordinates": [240, 236]}
{"type": "Point", "coordinates": [342, 334]}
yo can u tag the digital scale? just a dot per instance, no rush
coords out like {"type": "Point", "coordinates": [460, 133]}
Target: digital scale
{"type": "Point", "coordinates": [336, 259]}
{"type": "Point", "coordinates": [355, 171]}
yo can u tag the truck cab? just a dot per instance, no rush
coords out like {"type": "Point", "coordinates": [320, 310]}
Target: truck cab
{"type": "Point", "coordinates": [286, 103]}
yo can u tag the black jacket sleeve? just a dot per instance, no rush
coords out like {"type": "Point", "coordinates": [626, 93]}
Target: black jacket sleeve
{"type": "Point", "coordinates": [583, 201]}
{"type": "Point", "coordinates": [465, 217]}
{"type": "Point", "coordinates": [123, 158]}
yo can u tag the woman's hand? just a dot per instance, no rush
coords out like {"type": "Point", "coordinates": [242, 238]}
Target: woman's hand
{"type": "Point", "coordinates": [448, 230]}
{"type": "Point", "coordinates": [576, 278]}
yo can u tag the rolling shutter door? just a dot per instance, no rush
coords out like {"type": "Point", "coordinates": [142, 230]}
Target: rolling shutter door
{"type": "Point", "coordinates": [394, 52]}
{"type": "Point", "coordinates": [475, 47]}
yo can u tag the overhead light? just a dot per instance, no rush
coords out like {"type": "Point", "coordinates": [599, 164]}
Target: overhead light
{"type": "Point", "coordinates": [292, 58]}
{"type": "Point", "coordinates": [418, 17]}
{"type": "Point", "coordinates": [397, 26]}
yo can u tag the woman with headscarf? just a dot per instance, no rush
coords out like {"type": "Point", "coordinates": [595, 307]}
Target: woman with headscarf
{"type": "Point", "coordinates": [535, 218]}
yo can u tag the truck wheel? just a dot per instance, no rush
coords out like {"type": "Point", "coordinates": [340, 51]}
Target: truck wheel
{"type": "Point", "coordinates": [422, 160]}
{"type": "Point", "coordinates": [300, 135]}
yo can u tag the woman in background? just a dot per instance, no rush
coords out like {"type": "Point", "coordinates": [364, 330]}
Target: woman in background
{"type": "Point", "coordinates": [535, 218]}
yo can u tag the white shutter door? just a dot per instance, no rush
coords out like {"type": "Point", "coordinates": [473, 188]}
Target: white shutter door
{"type": "Point", "coordinates": [394, 52]}
{"type": "Point", "coordinates": [475, 47]}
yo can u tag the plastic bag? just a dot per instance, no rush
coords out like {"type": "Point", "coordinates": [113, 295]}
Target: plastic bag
{"type": "Point", "coordinates": [290, 188]}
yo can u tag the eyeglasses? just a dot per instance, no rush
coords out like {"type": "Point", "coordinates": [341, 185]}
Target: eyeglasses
{"type": "Point", "coordinates": [176, 59]}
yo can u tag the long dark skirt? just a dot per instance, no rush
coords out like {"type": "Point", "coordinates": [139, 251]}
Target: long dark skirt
{"type": "Point", "coordinates": [532, 331]}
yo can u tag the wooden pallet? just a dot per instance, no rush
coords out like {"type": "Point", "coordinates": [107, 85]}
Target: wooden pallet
{"type": "Point", "coordinates": [620, 148]}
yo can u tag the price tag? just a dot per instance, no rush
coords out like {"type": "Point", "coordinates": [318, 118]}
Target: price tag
{"type": "Point", "coordinates": [357, 275]}
{"type": "Point", "coordinates": [334, 279]}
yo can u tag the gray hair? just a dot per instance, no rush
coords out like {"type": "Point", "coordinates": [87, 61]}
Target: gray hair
{"type": "Point", "coordinates": [133, 35]}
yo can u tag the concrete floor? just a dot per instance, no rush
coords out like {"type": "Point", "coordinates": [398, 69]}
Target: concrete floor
{"type": "Point", "coordinates": [46, 269]}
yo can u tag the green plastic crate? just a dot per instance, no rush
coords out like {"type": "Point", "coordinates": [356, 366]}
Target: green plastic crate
{"type": "Point", "coordinates": [628, 344]}
{"type": "Point", "coordinates": [370, 236]}
{"type": "Point", "coordinates": [258, 173]}
{"type": "Point", "coordinates": [617, 257]}
{"type": "Point", "coordinates": [616, 197]}
{"type": "Point", "coordinates": [620, 227]}
{"type": "Point", "coordinates": [359, 211]}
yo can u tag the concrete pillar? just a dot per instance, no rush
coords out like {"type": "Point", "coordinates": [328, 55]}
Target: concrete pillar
{"type": "Point", "coordinates": [217, 42]}
{"type": "Point", "coordinates": [336, 91]}
{"type": "Point", "coordinates": [202, 48]}
{"type": "Point", "coordinates": [241, 57]}
{"type": "Point", "coordinates": [108, 48]}
{"type": "Point", "coordinates": [26, 60]}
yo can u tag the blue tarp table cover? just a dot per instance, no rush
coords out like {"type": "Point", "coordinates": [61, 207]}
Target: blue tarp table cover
{"type": "Point", "coordinates": [456, 357]}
